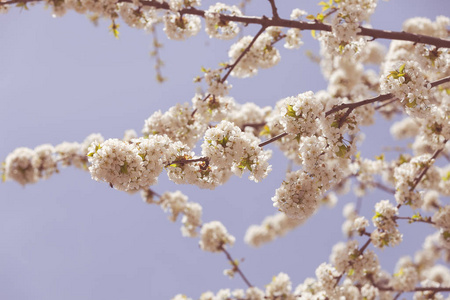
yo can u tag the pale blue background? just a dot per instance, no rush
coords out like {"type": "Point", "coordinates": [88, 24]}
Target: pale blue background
{"type": "Point", "coordinates": [70, 237]}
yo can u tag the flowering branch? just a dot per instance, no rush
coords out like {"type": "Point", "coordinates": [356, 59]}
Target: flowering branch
{"type": "Point", "coordinates": [186, 161]}
{"type": "Point", "coordinates": [425, 170]}
{"type": "Point", "coordinates": [412, 219]}
{"type": "Point", "coordinates": [302, 25]}
{"type": "Point", "coordinates": [273, 139]}
{"type": "Point", "coordinates": [231, 67]}
{"type": "Point", "coordinates": [236, 266]}
{"type": "Point", "coordinates": [380, 98]}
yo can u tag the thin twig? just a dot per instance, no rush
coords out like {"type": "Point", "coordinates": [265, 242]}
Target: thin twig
{"type": "Point", "coordinates": [425, 170]}
{"type": "Point", "coordinates": [274, 9]}
{"type": "Point", "coordinates": [384, 188]}
{"type": "Point", "coordinates": [412, 220]}
{"type": "Point", "coordinates": [236, 267]}
{"type": "Point", "coordinates": [380, 98]}
{"type": "Point", "coordinates": [385, 104]}
{"type": "Point", "coordinates": [273, 139]}
{"type": "Point", "coordinates": [186, 161]}
{"type": "Point", "coordinates": [242, 54]}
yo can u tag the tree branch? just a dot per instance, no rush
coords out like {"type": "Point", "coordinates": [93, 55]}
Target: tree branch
{"type": "Point", "coordinates": [273, 139]}
{"type": "Point", "coordinates": [380, 98]}
{"type": "Point", "coordinates": [302, 25]}
{"type": "Point", "coordinates": [236, 267]}
{"type": "Point", "coordinates": [242, 54]}
{"type": "Point", "coordinates": [274, 9]}
{"type": "Point", "coordinates": [425, 170]}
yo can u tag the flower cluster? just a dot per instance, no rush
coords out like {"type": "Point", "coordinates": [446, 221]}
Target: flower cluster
{"type": "Point", "coordinates": [387, 233]}
{"type": "Point", "coordinates": [177, 123]}
{"type": "Point", "coordinates": [128, 166]}
{"type": "Point", "coordinates": [180, 27]}
{"type": "Point", "coordinates": [262, 54]}
{"type": "Point", "coordinates": [228, 147]}
{"type": "Point", "coordinates": [298, 195]}
{"type": "Point", "coordinates": [301, 114]}
{"type": "Point", "coordinates": [177, 203]}
{"type": "Point", "coordinates": [214, 237]}
{"type": "Point", "coordinates": [221, 29]}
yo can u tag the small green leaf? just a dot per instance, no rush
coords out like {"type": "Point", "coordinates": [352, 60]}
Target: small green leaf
{"type": "Point", "coordinates": [265, 131]}
{"type": "Point", "coordinates": [124, 168]}
{"type": "Point", "coordinates": [223, 141]}
{"type": "Point", "coordinates": [380, 157]}
{"type": "Point", "coordinates": [342, 151]}
{"type": "Point", "coordinates": [114, 29]}
{"type": "Point", "coordinates": [446, 235]}
{"type": "Point", "coordinates": [411, 104]}
{"type": "Point", "coordinates": [291, 111]}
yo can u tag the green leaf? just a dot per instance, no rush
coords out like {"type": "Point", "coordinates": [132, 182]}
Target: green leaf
{"type": "Point", "coordinates": [342, 151]}
{"type": "Point", "coordinates": [291, 111]}
{"type": "Point", "coordinates": [22, 5]}
{"type": "Point", "coordinates": [223, 141]}
{"type": "Point", "coordinates": [447, 177]}
{"type": "Point", "coordinates": [265, 131]}
{"type": "Point", "coordinates": [246, 163]}
{"type": "Point", "coordinates": [124, 168]}
{"type": "Point", "coordinates": [411, 104]}
{"type": "Point", "coordinates": [446, 235]}
{"type": "Point", "coordinates": [380, 157]}
{"type": "Point", "coordinates": [114, 29]}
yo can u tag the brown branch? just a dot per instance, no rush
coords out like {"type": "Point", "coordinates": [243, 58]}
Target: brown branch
{"type": "Point", "coordinates": [274, 10]}
{"type": "Point", "coordinates": [380, 98]}
{"type": "Point", "coordinates": [236, 267]}
{"type": "Point", "coordinates": [352, 106]}
{"type": "Point", "coordinates": [417, 289]}
{"type": "Point", "coordinates": [242, 54]}
{"type": "Point", "coordinates": [384, 188]}
{"type": "Point", "coordinates": [425, 170]}
{"type": "Point", "coordinates": [360, 251]}
{"type": "Point", "coordinates": [302, 25]}
{"type": "Point", "coordinates": [273, 139]}
{"type": "Point", "coordinates": [385, 104]}
{"type": "Point", "coordinates": [186, 161]}
{"type": "Point", "coordinates": [412, 220]}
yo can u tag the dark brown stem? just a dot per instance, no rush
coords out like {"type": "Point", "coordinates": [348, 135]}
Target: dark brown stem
{"type": "Point", "coordinates": [385, 104]}
{"type": "Point", "coordinates": [352, 106]}
{"type": "Point", "coordinates": [417, 289]}
{"type": "Point", "coordinates": [273, 139]}
{"type": "Point", "coordinates": [384, 188]}
{"type": "Point", "coordinates": [380, 98]}
{"type": "Point", "coordinates": [302, 25]}
{"type": "Point", "coordinates": [361, 250]}
{"type": "Point", "coordinates": [425, 170]}
{"type": "Point", "coordinates": [255, 125]}
{"type": "Point", "coordinates": [274, 10]}
{"type": "Point", "coordinates": [242, 54]}
{"type": "Point", "coordinates": [186, 161]}
{"type": "Point", "coordinates": [236, 267]}
{"type": "Point", "coordinates": [412, 220]}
